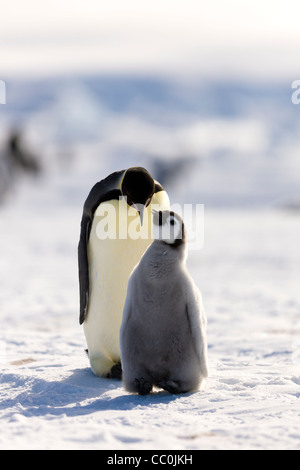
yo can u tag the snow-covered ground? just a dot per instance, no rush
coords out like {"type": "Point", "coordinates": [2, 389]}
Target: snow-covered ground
{"type": "Point", "coordinates": [248, 271]}
{"type": "Point", "coordinates": [234, 148]}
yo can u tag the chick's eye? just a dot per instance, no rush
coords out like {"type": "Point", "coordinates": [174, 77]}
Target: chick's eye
{"type": "Point", "coordinates": [172, 222]}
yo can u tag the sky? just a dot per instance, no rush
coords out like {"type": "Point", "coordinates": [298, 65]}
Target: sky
{"type": "Point", "coordinates": [257, 39]}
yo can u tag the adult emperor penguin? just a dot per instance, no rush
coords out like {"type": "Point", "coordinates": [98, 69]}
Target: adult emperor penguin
{"type": "Point", "coordinates": [115, 232]}
{"type": "Point", "coordinates": [163, 332]}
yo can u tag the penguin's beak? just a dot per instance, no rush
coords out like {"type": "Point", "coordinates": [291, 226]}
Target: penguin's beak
{"type": "Point", "coordinates": [140, 209]}
{"type": "Point", "coordinates": [141, 213]}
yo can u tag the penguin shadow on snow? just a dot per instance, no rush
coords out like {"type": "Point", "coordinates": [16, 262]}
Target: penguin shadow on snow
{"type": "Point", "coordinates": [102, 390]}
{"type": "Point", "coordinates": [81, 393]}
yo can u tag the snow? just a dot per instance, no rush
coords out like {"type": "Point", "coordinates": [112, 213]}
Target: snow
{"type": "Point", "coordinates": [248, 272]}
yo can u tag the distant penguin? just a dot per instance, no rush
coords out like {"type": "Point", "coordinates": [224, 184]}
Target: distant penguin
{"type": "Point", "coordinates": [20, 158]}
{"type": "Point", "coordinates": [163, 332]}
{"type": "Point", "coordinates": [115, 232]}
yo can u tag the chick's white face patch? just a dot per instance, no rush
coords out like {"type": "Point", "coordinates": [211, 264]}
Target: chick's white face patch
{"type": "Point", "coordinates": [167, 227]}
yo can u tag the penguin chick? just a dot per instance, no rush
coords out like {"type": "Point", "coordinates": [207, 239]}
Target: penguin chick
{"type": "Point", "coordinates": [109, 248]}
{"type": "Point", "coordinates": [163, 332]}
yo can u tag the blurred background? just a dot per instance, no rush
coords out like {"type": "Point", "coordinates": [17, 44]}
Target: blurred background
{"type": "Point", "coordinates": [200, 93]}
{"type": "Point", "coordinates": [196, 91]}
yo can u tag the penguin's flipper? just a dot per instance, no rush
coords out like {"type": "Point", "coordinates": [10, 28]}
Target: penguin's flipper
{"type": "Point", "coordinates": [83, 268]}
{"type": "Point", "coordinates": [105, 190]}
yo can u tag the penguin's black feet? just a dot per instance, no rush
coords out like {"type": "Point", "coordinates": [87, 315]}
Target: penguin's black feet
{"type": "Point", "coordinates": [116, 371]}
{"type": "Point", "coordinates": [142, 386]}
{"type": "Point", "coordinates": [170, 386]}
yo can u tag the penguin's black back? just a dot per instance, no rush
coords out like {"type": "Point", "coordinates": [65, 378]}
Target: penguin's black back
{"type": "Point", "coordinates": [105, 190]}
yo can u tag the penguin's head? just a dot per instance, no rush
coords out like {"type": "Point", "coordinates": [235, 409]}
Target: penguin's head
{"type": "Point", "coordinates": [168, 227]}
{"type": "Point", "coordinates": [138, 187]}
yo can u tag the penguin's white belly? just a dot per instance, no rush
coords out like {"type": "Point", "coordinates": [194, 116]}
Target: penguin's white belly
{"type": "Point", "coordinates": [109, 273]}
{"type": "Point", "coordinates": [111, 261]}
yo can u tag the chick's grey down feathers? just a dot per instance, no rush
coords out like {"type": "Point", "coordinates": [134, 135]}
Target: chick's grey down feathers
{"type": "Point", "coordinates": [163, 333]}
